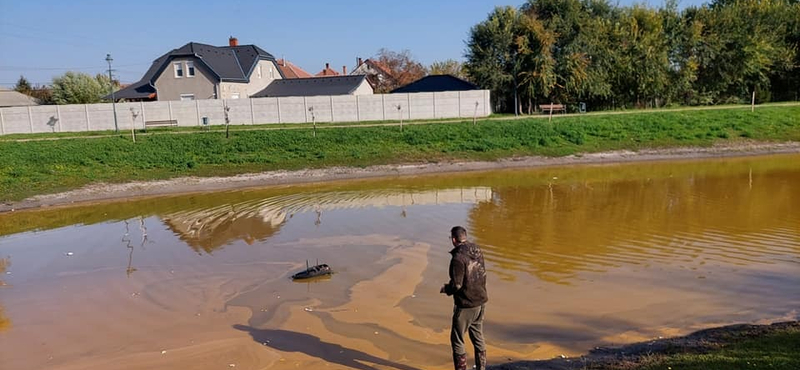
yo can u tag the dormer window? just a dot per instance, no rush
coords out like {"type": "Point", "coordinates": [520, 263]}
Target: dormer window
{"type": "Point", "coordinates": [189, 69]}
{"type": "Point", "coordinates": [178, 69]}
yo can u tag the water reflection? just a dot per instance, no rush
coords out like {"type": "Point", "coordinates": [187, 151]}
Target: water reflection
{"type": "Point", "coordinates": [5, 322]}
{"type": "Point", "coordinates": [207, 229]}
{"type": "Point", "coordinates": [555, 231]}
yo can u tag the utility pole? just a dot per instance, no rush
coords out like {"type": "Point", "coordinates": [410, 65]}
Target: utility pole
{"type": "Point", "coordinates": [111, 86]}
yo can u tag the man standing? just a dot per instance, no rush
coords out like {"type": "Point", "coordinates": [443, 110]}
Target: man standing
{"type": "Point", "coordinates": [468, 287]}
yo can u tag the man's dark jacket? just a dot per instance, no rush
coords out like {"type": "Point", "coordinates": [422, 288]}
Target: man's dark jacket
{"type": "Point", "coordinates": [467, 276]}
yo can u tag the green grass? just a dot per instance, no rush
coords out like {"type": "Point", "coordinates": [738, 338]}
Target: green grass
{"type": "Point", "coordinates": [37, 167]}
{"type": "Point", "coordinates": [773, 351]}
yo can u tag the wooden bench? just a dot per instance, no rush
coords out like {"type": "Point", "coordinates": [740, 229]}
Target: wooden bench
{"type": "Point", "coordinates": [162, 123]}
{"type": "Point", "coordinates": [549, 108]}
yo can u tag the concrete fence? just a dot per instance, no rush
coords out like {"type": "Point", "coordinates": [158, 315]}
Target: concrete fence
{"type": "Point", "coordinates": [341, 108]}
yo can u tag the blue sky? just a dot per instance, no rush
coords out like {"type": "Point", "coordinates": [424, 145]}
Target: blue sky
{"type": "Point", "coordinates": [42, 39]}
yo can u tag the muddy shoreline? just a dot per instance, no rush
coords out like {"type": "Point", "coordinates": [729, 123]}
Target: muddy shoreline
{"type": "Point", "coordinates": [628, 356]}
{"type": "Point", "coordinates": [183, 185]}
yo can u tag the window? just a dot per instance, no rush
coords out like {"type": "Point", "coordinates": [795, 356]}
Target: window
{"type": "Point", "coordinates": [178, 69]}
{"type": "Point", "coordinates": [187, 97]}
{"type": "Point", "coordinates": [259, 71]}
{"type": "Point", "coordinates": [189, 69]}
{"type": "Point", "coordinates": [271, 74]}
{"type": "Point", "coordinates": [235, 96]}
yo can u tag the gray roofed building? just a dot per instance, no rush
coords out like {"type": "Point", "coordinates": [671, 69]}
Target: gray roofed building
{"type": "Point", "coordinates": [436, 83]}
{"type": "Point", "coordinates": [201, 71]}
{"type": "Point", "coordinates": [332, 85]}
{"type": "Point", "coordinates": [11, 98]}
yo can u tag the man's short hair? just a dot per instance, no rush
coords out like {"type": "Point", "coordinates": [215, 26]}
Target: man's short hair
{"type": "Point", "coordinates": [459, 233]}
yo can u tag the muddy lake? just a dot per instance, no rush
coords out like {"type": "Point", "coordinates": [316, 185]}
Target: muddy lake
{"type": "Point", "coordinates": [577, 256]}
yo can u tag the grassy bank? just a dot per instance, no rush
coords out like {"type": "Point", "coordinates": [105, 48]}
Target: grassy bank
{"type": "Point", "coordinates": [37, 167]}
{"type": "Point", "coordinates": [735, 347]}
{"type": "Point", "coordinates": [780, 350]}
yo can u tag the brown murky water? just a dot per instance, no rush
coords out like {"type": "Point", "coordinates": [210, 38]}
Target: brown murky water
{"type": "Point", "coordinates": [578, 257]}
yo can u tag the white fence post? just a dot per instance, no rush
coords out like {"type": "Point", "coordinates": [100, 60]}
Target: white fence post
{"type": "Point", "coordinates": [408, 105]}
{"type": "Point", "coordinates": [197, 112]}
{"type": "Point", "coordinates": [86, 112]}
{"type": "Point", "coordinates": [305, 109]}
{"type": "Point", "coordinates": [2, 124]}
{"type": "Point", "coordinates": [331, 100]}
{"type": "Point", "coordinates": [358, 112]}
{"type": "Point", "coordinates": [278, 101]}
{"type": "Point", "coordinates": [252, 113]}
{"type": "Point", "coordinates": [144, 117]}
{"type": "Point", "coordinates": [383, 106]}
{"type": "Point", "coordinates": [169, 105]}
{"type": "Point", "coordinates": [58, 117]}
{"type": "Point", "coordinates": [30, 118]}
{"type": "Point", "coordinates": [459, 105]}
{"type": "Point", "coordinates": [434, 104]}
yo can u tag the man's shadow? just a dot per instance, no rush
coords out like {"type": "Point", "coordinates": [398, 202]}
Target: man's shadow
{"type": "Point", "coordinates": [290, 341]}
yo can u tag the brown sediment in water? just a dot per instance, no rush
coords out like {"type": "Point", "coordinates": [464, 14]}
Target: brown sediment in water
{"type": "Point", "coordinates": [110, 192]}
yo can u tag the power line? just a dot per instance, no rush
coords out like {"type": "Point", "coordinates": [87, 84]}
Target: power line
{"type": "Point", "coordinates": [21, 68]}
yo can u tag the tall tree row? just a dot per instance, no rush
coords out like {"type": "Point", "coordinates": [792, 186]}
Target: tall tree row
{"type": "Point", "coordinates": [570, 51]}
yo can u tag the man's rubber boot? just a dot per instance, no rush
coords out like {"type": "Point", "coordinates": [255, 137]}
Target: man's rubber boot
{"type": "Point", "coordinates": [480, 360]}
{"type": "Point", "coordinates": [460, 362]}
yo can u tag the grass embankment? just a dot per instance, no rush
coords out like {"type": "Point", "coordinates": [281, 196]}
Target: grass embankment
{"type": "Point", "coordinates": [778, 349]}
{"type": "Point", "coordinates": [38, 167]}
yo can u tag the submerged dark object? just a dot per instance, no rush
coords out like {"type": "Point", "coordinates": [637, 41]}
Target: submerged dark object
{"type": "Point", "coordinates": [313, 271]}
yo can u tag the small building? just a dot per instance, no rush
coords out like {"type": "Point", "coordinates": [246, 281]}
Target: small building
{"type": "Point", "coordinates": [377, 73]}
{"type": "Point", "coordinates": [200, 71]}
{"type": "Point", "coordinates": [436, 83]}
{"type": "Point", "coordinates": [333, 85]}
{"type": "Point", "coordinates": [330, 72]}
{"type": "Point", "coordinates": [12, 98]}
{"type": "Point", "coordinates": [290, 70]}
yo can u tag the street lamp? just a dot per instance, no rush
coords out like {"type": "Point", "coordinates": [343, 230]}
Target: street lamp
{"type": "Point", "coordinates": [111, 86]}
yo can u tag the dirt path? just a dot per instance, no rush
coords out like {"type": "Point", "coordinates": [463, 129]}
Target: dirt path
{"type": "Point", "coordinates": [110, 192]}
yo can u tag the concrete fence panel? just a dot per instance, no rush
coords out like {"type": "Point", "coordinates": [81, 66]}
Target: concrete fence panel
{"type": "Point", "coordinates": [421, 106]}
{"type": "Point", "coordinates": [44, 118]}
{"type": "Point", "coordinates": [345, 108]}
{"type": "Point", "coordinates": [101, 117]}
{"type": "Point", "coordinates": [125, 116]}
{"type": "Point", "coordinates": [185, 112]}
{"type": "Point", "coordinates": [265, 110]}
{"type": "Point", "coordinates": [471, 103]}
{"type": "Point", "coordinates": [157, 111]}
{"type": "Point", "coordinates": [391, 104]}
{"type": "Point", "coordinates": [292, 109]}
{"type": "Point", "coordinates": [447, 105]}
{"type": "Point", "coordinates": [72, 117]}
{"type": "Point", "coordinates": [321, 106]}
{"type": "Point", "coordinates": [16, 120]}
{"type": "Point", "coordinates": [370, 107]}
{"type": "Point", "coordinates": [213, 109]}
{"type": "Point", "coordinates": [239, 111]}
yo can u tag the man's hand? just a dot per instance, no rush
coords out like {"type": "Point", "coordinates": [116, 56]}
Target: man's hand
{"type": "Point", "coordinates": [444, 289]}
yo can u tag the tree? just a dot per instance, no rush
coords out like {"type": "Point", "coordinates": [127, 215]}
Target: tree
{"type": "Point", "coordinates": [81, 88]}
{"type": "Point", "coordinates": [402, 68]}
{"type": "Point", "coordinates": [448, 67]}
{"type": "Point", "coordinates": [23, 86]}
{"type": "Point", "coordinates": [492, 55]}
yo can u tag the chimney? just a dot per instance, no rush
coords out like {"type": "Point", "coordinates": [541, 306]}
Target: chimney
{"type": "Point", "coordinates": [327, 66]}
{"type": "Point", "coordinates": [232, 41]}
{"type": "Point", "coordinates": [359, 62]}
{"type": "Point", "coordinates": [344, 70]}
